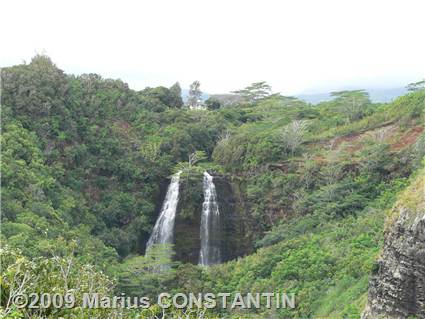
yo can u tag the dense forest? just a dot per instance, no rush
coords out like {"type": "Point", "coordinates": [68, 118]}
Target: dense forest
{"type": "Point", "coordinates": [85, 161]}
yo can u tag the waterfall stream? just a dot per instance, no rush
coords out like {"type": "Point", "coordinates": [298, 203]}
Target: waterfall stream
{"type": "Point", "coordinates": [210, 225]}
{"type": "Point", "coordinates": [163, 231]}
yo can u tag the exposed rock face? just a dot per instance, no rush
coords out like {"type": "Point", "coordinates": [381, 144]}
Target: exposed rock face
{"type": "Point", "coordinates": [188, 220]}
{"type": "Point", "coordinates": [397, 288]}
{"type": "Point", "coordinates": [234, 222]}
{"type": "Point", "coordinates": [237, 226]}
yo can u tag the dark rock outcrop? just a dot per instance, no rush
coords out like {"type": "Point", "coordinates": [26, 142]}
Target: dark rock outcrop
{"type": "Point", "coordinates": [188, 220]}
{"type": "Point", "coordinates": [235, 221]}
{"type": "Point", "coordinates": [397, 288]}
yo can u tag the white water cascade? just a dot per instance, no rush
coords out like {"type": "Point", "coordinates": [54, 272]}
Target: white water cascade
{"type": "Point", "coordinates": [210, 225]}
{"type": "Point", "coordinates": [163, 231]}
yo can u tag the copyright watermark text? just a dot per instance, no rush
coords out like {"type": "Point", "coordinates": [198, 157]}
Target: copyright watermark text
{"type": "Point", "coordinates": [164, 300]}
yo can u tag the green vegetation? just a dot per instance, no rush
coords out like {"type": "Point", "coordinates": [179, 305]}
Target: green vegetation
{"type": "Point", "coordinates": [84, 161]}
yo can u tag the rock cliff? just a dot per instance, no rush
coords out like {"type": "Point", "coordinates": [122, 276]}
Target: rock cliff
{"type": "Point", "coordinates": [397, 288]}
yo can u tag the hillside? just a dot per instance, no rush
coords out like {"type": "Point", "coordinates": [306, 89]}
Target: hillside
{"type": "Point", "coordinates": [304, 190]}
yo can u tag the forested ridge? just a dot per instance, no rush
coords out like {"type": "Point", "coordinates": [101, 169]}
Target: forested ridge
{"type": "Point", "coordinates": [85, 161]}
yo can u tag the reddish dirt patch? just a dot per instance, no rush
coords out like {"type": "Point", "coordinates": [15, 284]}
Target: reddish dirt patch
{"type": "Point", "coordinates": [388, 131]}
{"type": "Point", "coordinates": [346, 139]}
{"type": "Point", "coordinates": [408, 138]}
{"type": "Point", "coordinates": [320, 159]}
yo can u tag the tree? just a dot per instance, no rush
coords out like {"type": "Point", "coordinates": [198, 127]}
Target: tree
{"type": "Point", "coordinates": [254, 92]}
{"type": "Point", "coordinates": [293, 134]}
{"type": "Point", "coordinates": [416, 86]}
{"type": "Point", "coordinates": [212, 104]}
{"type": "Point", "coordinates": [54, 275]}
{"type": "Point", "coordinates": [352, 104]}
{"type": "Point", "coordinates": [194, 100]}
{"type": "Point", "coordinates": [169, 97]}
{"type": "Point", "coordinates": [176, 93]}
{"type": "Point", "coordinates": [147, 275]}
{"type": "Point", "coordinates": [189, 167]}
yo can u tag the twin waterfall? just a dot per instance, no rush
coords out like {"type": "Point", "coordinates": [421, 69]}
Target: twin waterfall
{"type": "Point", "coordinates": [164, 227]}
{"type": "Point", "coordinates": [163, 231]}
{"type": "Point", "coordinates": [210, 225]}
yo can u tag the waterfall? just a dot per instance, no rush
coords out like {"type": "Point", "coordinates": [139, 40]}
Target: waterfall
{"type": "Point", "coordinates": [210, 225]}
{"type": "Point", "coordinates": [163, 231]}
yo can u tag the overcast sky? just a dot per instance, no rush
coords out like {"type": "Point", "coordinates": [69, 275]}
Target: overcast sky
{"type": "Point", "coordinates": [297, 46]}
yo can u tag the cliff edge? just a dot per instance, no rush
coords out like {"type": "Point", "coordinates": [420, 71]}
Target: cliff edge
{"type": "Point", "coordinates": [397, 287]}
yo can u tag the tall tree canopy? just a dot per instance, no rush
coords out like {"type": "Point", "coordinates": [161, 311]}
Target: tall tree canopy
{"type": "Point", "coordinates": [254, 92]}
{"type": "Point", "coordinates": [352, 104]}
{"type": "Point", "coordinates": [416, 86]}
